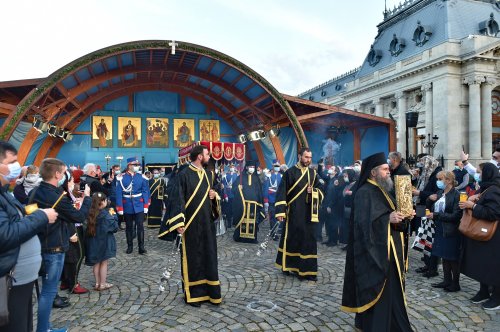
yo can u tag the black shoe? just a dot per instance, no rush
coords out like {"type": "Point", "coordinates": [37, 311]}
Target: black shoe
{"type": "Point", "coordinates": [344, 248]}
{"type": "Point", "coordinates": [129, 250]}
{"type": "Point", "coordinates": [142, 251]}
{"type": "Point", "coordinates": [492, 304]}
{"type": "Point", "coordinates": [452, 288]}
{"type": "Point", "coordinates": [480, 297]}
{"type": "Point", "coordinates": [287, 273]}
{"type": "Point", "coordinates": [59, 303]}
{"type": "Point", "coordinates": [422, 269]}
{"type": "Point", "coordinates": [331, 244]}
{"type": "Point", "coordinates": [430, 274]}
{"type": "Point", "coordinates": [195, 304]}
{"type": "Point", "coordinates": [62, 298]}
{"type": "Point", "coordinates": [312, 278]}
{"type": "Point", "coordinates": [442, 284]}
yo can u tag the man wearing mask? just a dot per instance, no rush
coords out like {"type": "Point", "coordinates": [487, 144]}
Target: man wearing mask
{"type": "Point", "coordinates": [247, 205]}
{"type": "Point", "coordinates": [19, 244]}
{"type": "Point", "coordinates": [461, 175]}
{"type": "Point", "coordinates": [132, 201]}
{"type": "Point", "coordinates": [90, 176]}
{"type": "Point", "coordinates": [55, 237]}
{"type": "Point", "coordinates": [270, 188]}
{"type": "Point", "coordinates": [228, 180]}
{"type": "Point", "coordinates": [297, 201]}
{"type": "Point", "coordinates": [157, 188]}
{"type": "Point", "coordinates": [110, 186]}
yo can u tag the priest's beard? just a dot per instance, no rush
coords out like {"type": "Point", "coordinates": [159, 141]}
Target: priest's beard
{"type": "Point", "coordinates": [384, 183]}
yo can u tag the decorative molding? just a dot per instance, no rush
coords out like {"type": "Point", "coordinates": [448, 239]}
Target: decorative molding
{"type": "Point", "coordinates": [489, 27]}
{"type": "Point", "coordinates": [374, 56]}
{"type": "Point", "coordinates": [474, 79]}
{"type": "Point", "coordinates": [366, 78]}
{"type": "Point", "coordinates": [411, 60]}
{"type": "Point", "coordinates": [400, 94]}
{"type": "Point", "coordinates": [490, 80]}
{"type": "Point", "coordinates": [426, 87]}
{"type": "Point", "coordinates": [421, 35]}
{"type": "Point", "coordinates": [388, 69]}
{"type": "Point", "coordinates": [396, 46]}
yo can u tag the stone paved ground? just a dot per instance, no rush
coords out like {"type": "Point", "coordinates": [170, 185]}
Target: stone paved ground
{"type": "Point", "coordinates": [257, 297]}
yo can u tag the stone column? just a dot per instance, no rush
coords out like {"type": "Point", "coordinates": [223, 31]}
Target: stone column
{"type": "Point", "coordinates": [474, 83]}
{"type": "Point", "coordinates": [429, 123]}
{"type": "Point", "coordinates": [379, 107]}
{"type": "Point", "coordinates": [486, 118]}
{"type": "Point", "coordinates": [401, 98]}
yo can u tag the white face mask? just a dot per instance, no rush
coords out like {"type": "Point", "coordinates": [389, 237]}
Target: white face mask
{"type": "Point", "coordinates": [156, 175]}
{"type": "Point", "coordinates": [14, 171]}
{"type": "Point", "coordinates": [136, 169]}
{"type": "Point", "coordinates": [231, 170]}
{"type": "Point", "coordinates": [268, 175]}
{"type": "Point", "coordinates": [357, 168]}
{"type": "Point", "coordinates": [251, 170]}
{"type": "Point", "coordinates": [276, 169]}
{"type": "Point", "coordinates": [259, 172]}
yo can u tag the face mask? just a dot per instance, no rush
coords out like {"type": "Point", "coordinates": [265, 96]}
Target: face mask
{"type": "Point", "coordinates": [118, 172]}
{"type": "Point", "coordinates": [61, 181]}
{"type": "Point", "coordinates": [162, 174]}
{"type": "Point", "coordinates": [251, 170]}
{"type": "Point", "coordinates": [357, 168]}
{"type": "Point", "coordinates": [477, 177]}
{"type": "Point", "coordinates": [330, 172]}
{"type": "Point", "coordinates": [346, 179]}
{"type": "Point", "coordinates": [14, 171]}
{"type": "Point", "coordinates": [419, 164]}
{"type": "Point", "coordinates": [231, 170]}
{"type": "Point", "coordinates": [32, 177]}
{"type": "Point", "coordinates": [156, 175]}
{"type": "Point", "coordinates": [457, 168]}
{"type": "Point", "coordinates": [440, 184]}
{"type": "Point", "coordinates": [389, 162]}
{"type": "Point", "coordinates": [276, 169]}
{"type": "Point", "coordinates": [136, 169]}
{"type": "Point", "coordinates": [268, 175]}
{"type": "Point", "coordinates": [259, 172]}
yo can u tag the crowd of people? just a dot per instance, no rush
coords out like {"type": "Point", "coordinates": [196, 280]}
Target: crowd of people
{"type": "Point", "coordinates": [54, 218]}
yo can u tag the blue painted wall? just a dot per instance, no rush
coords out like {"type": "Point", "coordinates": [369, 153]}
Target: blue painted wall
{"type": "Point", "coordinates": [375, 140]}
{"type": "Point", "coordinates": [146, 104]}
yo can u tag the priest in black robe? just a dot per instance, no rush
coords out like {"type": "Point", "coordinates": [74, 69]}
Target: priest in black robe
{"type": "Point", "coordinates": [376, 261]}
{"type": "Point", "coordinates": [297, 204]}
{"type": "Point", "coordinates": [193, 208]}
{"type": "Point", "coordinates": [247, 205]}
{"type": "Point", "coordinates": [157, 186]}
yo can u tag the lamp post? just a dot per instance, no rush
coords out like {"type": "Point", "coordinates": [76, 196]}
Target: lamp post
{"type": "Point", "coordinates": [430, 143]}
{"type": "Point", "coordinates": [108, 158]}
{"type": "Point", "coordinates": [119, 158]}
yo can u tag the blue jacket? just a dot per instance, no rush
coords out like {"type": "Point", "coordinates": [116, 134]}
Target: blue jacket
{"type": "Point", "coordinates": [15, 230]}
{"type": "Point", "coordinates": [103, 245]}
{"type": "Point", "coordinates": [271, 187]}
{"type": "Point", "coordinates": [56, 236]}
{"type": "Point", "coordinates": [132, 193]}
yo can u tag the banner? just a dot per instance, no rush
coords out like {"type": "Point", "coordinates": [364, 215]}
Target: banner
{"type": "Point", "coordinates": [229, 151]}
{"type": "Point", "coordinates": [239, 151]}
{"type": "Point", "coordinates": [217, 150]}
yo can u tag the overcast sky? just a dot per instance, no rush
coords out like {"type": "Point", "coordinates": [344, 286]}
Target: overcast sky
{"type": "Point", "coordinates": [294, 44]}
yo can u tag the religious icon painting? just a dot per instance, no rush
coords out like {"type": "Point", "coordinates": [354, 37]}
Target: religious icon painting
{"type": "Point", "coordinates": [129, 132]}
{"type": "Point", "coordinates": [210, 130]}
{"type": "Point", "coordinates": [102, 131]}
{"type": "Point", "coordinates": [157, 132]}
{"type": "Point", "coordinates": [183, 132]}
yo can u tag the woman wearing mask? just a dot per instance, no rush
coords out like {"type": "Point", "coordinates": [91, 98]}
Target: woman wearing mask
{"type": "Point", "coordinates": [447, 239]}
{"type": "Point", "coordinates": [481, 260]}
{"type": "Point", "coordinates": [348, 181]}
{"type": "Point", "coordinates": [27, 183]}
{"type": "Point", "coordinates": [75, 254]}
{"type": "Point", "coordinates": [425, 195]}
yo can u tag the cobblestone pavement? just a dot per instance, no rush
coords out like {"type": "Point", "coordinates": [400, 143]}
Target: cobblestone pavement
{"type": "Point", "coordinates": [256, 296]}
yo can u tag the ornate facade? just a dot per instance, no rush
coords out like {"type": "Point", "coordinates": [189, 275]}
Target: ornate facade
{"type": "Point", "coordinates": [438, 58]}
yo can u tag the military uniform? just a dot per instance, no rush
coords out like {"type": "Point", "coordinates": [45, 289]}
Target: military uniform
{"type": "Point", "coordinates": [132, 200]}
{"type": "Point", "coordinates": [227, 205]}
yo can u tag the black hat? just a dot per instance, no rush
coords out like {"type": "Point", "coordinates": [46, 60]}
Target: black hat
{"type": "Point", "coordinates": [370, 163]}
{"type": "Point", "coordinates": [250, 163]}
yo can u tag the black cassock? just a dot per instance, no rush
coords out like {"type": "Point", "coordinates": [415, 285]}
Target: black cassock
{"type": "Point", "coordinates": [157, 189]}
{"type": "Point", "coordinates": [247, 207]}
{"type": "Point", "coordinates": [298, 251]}
{"type": "Point", "coordinates": [376, 264]}
{"type": "Point", "coordinates": [191, 208]}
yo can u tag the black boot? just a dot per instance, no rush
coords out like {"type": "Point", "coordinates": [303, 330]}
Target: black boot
{"type": "Point", "coordinates": [130, 242]}
{"type": "Point", "coordinates": [140, 240]}
{"type": "Point", "coordinates": [455, 272]}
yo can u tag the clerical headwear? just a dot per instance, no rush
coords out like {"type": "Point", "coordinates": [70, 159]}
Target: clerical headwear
{"type": "Point", "coordinates": [370, 163]}
{"type": "Point", "coordinates": [132, 160]}
{"type": "Point", "coordinates": [250, 163]}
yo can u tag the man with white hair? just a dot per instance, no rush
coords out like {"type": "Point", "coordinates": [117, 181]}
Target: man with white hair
{"type": "Point", "coordinates": [91, 178]}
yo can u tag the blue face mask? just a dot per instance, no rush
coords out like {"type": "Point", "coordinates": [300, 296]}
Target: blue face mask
{"type": "Point", "coordinates": [14, 171]}
{"type": "Point", "coordinates": [440, 184]}
{"type": "Point", "coordinates": [477, 177]}
{"type": "Point", "coordinates": [419, 164]}
{"type": "Point", "coordinates": [61, 182]}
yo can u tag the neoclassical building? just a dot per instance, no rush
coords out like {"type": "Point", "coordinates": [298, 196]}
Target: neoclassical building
{"type": "Point", "coordinates": [439, 58]}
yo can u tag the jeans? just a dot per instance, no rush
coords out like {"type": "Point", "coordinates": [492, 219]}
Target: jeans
{"type": "Point", "coordinates": [53, 265]}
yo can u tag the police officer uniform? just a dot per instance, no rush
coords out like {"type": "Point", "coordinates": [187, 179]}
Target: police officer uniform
{"type": "Point", "coordinates": [132, 200]}
{"type": "Point", "coordinates": [227, 205]}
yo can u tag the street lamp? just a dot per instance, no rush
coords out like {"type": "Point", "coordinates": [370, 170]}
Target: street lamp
{"type": "Point", "coordinates": [430, 143]}
{"type": "Point", "coordinates": [119, 158]}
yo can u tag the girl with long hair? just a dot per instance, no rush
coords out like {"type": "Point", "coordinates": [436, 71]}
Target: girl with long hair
{"type": "Point", "coordinates": [100, 243]}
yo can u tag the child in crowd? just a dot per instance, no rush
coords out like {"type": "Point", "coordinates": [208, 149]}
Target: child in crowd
{"type": "Point", "coordinates": [100, 242]}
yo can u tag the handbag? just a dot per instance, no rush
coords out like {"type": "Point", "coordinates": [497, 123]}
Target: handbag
{"type": "Point", "coordinates": [477, 229]}
{"type": "Point", "coordinates": [5, 286]}
{"type": "Point", "coordinates": [425, 237]}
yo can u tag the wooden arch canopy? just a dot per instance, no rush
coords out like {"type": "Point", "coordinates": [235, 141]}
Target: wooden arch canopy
{"type": "Point", "coordinates": [71, 94]}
